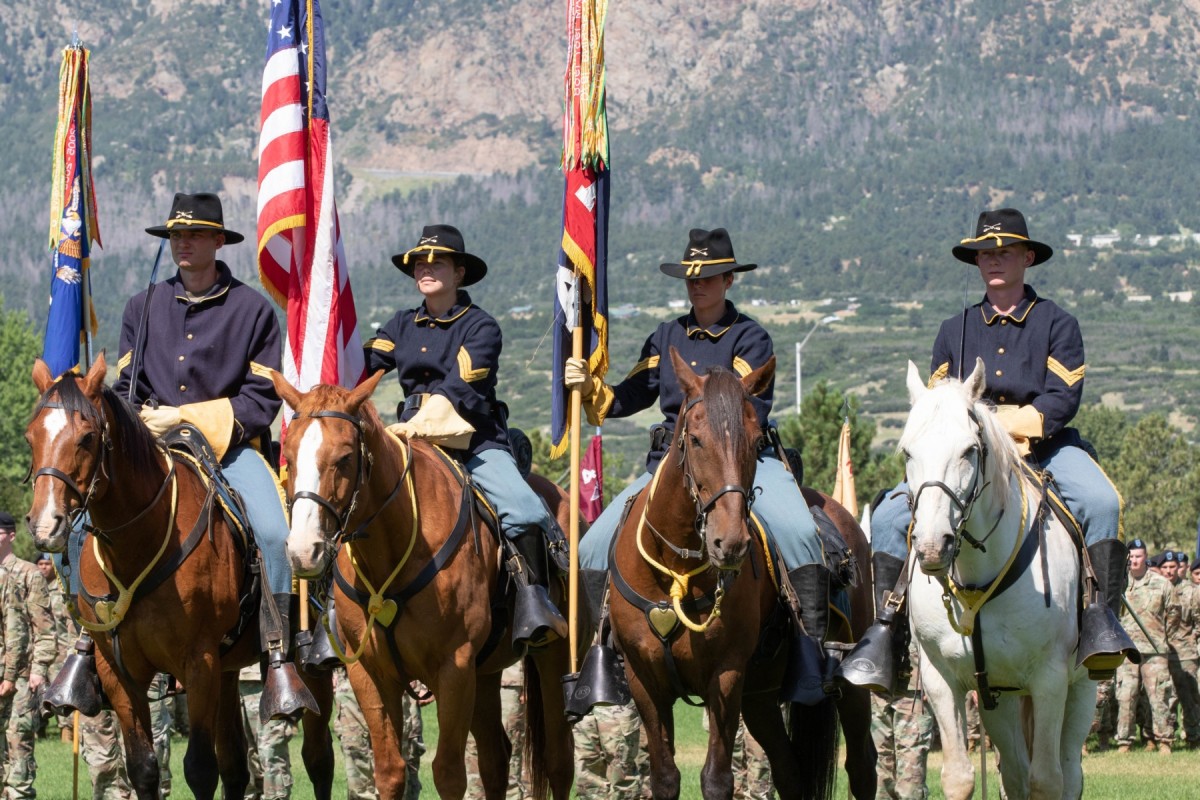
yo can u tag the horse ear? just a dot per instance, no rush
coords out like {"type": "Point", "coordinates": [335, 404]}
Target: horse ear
{"type": "Point", "coordinates": [288, 393]}
{"type": "Point", "coordinates": [95, 376]}
{"type": "Point", "coordinates": [916, 386]}
{"type": "Point", "coordinates": [42, 378]}
{"type": "Point", "coordinates": [689, 381]}
{"type": "Point", "coordinates": [976, 382]}
{"type": "Point", "coordinates": [364, 390]}
{"type": "Point", "coordinates": [760, 379]}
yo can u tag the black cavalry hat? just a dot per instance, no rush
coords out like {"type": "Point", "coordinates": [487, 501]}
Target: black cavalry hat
{"type": "Point", "coordinates": [437, 239]}
{"type": "Point", "coordinates": [708, 253]}
{"type": "Point", "coordinates": [1001, 228]}
{"type": "Point", "coordinates": [196, 212]}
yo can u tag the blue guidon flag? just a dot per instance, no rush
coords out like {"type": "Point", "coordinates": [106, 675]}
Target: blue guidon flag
{"type": "Point", "coordinates": [581, 280]}
{"type": "Point", "coordinates": [73, 225]}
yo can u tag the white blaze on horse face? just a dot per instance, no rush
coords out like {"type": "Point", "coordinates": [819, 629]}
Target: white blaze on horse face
{"type": "Point", "coordinates": [45, 515]}
{"type": "Point", "coordinates": [306, 542]}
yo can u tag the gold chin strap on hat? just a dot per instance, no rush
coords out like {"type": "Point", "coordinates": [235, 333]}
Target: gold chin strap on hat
{"type": "Point", "coordinates": [432, 249]}
{"type": "Point", "coordinates": [998, 237]}
{"type": "Point", "coordinates": [694, 267]}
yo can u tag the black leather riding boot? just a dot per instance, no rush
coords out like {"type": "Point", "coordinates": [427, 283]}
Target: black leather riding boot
{"type": "Point", "coordinates": [807, 679]}
{"type": "Point", "coordinates": [872, 662]}
{"type": "Point", "coordinates": [1103, 643]}
{"type": "Point", "coordinates": [284, 695]}
{"type": "Point", "coordinates": [536, 620]}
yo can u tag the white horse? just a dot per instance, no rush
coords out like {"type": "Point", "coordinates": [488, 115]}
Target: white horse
{"type": "Point", "coordinates": [995, 564]}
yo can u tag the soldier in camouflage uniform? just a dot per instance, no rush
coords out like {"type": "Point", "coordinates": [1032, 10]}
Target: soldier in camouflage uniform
{"type": "Point", "coordinates": [610, 754]}
{"type": "Point", "coordinates": [512, 715]}
{"type": "Point", "coordinates": [266, 744]}
{"type": "Point", "coordinates": [1184, 657]}
{"type": "Point", "coordinates": [1105, 723]}
{"type": "Point", "coordinates": [751, 769]}
{"type": "Point", "coordinates": [1149, 596]}
{"type": "Point", "coordinates": [64, 634]}
{"type": "Point", "coordinates": [100, 743]}
{"type": "Point", "coordinates": [355, 740]}
{"type": "Point", "coordinates": [902, 729]}
{"type": "Point", "coordinates": [29, 650]}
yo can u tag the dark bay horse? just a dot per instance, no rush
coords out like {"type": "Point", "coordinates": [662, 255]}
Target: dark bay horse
{"type": "Point", "coordinates": [419, 593]}
{"type": "Point", "coordinates": [91, 453]}
{"type": "Point", "coordinates": [693, 624]}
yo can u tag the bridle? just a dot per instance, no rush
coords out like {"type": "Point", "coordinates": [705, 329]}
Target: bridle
{"type": "Point", "coordinates": [965, 507]}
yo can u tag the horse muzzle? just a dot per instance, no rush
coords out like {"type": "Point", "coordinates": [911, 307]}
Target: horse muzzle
{"type": "Point", "coordinates": [50, 531]}
{"type": "Point", "coordinates": [309, 554]}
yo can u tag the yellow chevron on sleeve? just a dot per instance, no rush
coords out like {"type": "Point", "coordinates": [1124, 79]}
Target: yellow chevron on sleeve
{"type": "Point", "coordinates": [741, 367]}
{"type": "Point", "coordinates": [464, 367]}
{"type": "Point", "coordinates": [260, 370]}
{"type": "Point", "coordinates": [1069, 376]}
{"type": "Point", "coordinates": [644, 364]}
{"type": "Point", "coordinates": [939, 374]}
{"type": "Point", "coordinates": [382, 345]}
{"type": "Point", "coordinates": [123, 361]}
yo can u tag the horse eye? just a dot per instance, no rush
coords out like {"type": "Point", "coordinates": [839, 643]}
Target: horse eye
{"type": "Point", "coordinates": [695, 441]}
{"type": "Point", "coordinates": [344, 462]}
{"type": "Point", "coordinates": [87, 440]}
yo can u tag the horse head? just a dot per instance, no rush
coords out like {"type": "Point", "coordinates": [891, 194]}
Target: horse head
{"type": "Point", "coordinates": [68, 436]}
{"type": "Point", "coordinates": [716, 444]}
{"type": "Point", "coordinates": [955, 454]}
{"type": "Point", "coordinates": [328, 464]}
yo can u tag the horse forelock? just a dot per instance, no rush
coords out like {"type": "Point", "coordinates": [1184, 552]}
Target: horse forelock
{"type": "Point", "coordinates": [137, 448]}
{"type": "Point", "coordinates": [724, 399]}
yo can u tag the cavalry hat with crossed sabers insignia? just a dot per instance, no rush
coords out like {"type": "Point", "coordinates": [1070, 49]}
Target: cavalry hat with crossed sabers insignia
{"type": "Point", "coordinates": [438, 239]}
{"type": "Point", "coordinates": [1001, 228]}
{"type": "Point", "coordinates": [195, 212]}
{"type": "Point", "coordinates": [708, 253]}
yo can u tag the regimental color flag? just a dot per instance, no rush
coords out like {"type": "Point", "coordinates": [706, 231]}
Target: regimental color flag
{"type": "Point", "coordinates": [73, 225]}
{"type": "Point", "coordinates": [581, 283]}
{"type": "Point", "coordinates": [300, 256]}
{"type": "Point", "coordinates": [591, 481]}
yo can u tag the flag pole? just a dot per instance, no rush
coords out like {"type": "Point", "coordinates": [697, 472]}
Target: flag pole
{"type": "Point", "coordinates": [576, 402]}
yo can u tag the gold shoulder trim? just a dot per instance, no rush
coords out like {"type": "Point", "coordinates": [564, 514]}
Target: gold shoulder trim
{"type": "Point", "coordinates": [382, 345]}
{"type": "Point", "coordinates": [939, 374]}
{"type": "Point", "coordinates": [1069, 376]}
{"type": "Point", "coordinates": [464, 367]}
{"type": "Point", "coordinates": [260, 370]}
{"type": "Point", "coordinates": [644, 364]}
{"type": "Point", "coordinates": [123, 361]}
{"type": "Point", "coordinates": [741, 367]}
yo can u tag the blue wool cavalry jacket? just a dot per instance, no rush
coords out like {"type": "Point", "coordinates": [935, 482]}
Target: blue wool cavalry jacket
{"type": "Point", "coordinates": [218, 347]}
{"type": "Point", "coordinates": [1033, 356]}
{"type": "Point", "coordinates": [455, 355]}
{"type": "Point", "coordinates": [736, 342]}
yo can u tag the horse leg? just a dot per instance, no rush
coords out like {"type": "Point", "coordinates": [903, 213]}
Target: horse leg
{"type": "Point", "coordinates": [724, 714]}
{"type": "Point", "coordinates": [1049, 698]}
{"type": "Point", "coordinates": [765, 723]}
{"type": "Point", "coordinates": [659, 722]}
{"type": "Point", "coordinates": [231, 739]}
{"type": "Point", "coordinates": [455, 690]}
{"type": "Point", "coordinates": [492, 745]}
{"type": "Point", "coordinates": [1004, 727]}
{"type": "Point", "coordinates": [949, 708]}
{"type": "Point", "coordinates": [1077, 723]}
{"type": "Point", "coordinates": [317, 748]}
{"type": "Point", "coordinates": [546, 727]}
{"type": "Point", "coordinates": [854, 709]}
{"type": "Point", "coordinates": [133, 714]}
{"type": "Point", "coordinates": [385, 720]}
{"type": "Point", "coordinates": [200, 761]}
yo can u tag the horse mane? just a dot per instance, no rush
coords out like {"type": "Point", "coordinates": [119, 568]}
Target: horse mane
{"type": "Point", "coordinates": [723, 397]}
{"type": "Point", "coordinates": [950, 397]}
{"type": "Point", "coordinates": [138, 448]}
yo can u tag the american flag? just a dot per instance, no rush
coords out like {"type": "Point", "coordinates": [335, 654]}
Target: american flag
{"type": "Point", "coordinates": [300, 256]}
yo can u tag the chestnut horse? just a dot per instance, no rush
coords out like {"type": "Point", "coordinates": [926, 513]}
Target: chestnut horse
{"type": "Point", "coordinates": [693, 623]}
{"type": "Point", "coordinates": [93, 455]}
{"type": "Point", "coordinates": [420, 594]}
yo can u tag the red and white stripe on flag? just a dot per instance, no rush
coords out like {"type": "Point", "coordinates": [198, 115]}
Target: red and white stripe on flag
{"type": "Point", "coordinates": [301, 260]}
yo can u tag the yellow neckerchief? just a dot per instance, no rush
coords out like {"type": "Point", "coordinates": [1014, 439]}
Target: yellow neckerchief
{"type": "Point", "coordinates": [111, 613]}
{"type": "Point", "coordinates": [972, 600]}
{"type": "Point", "coordinates": [679, 587]}
{"type": "Point", "coordinates": [378, 607]}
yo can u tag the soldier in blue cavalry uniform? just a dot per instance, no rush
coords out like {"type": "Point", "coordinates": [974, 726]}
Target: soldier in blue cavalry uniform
{"type": "Point", "coordinates": [446, 353]}
{"type": "Point", "coordinates": [209, 343]}
{"type": "Point", "coordinates": [712, 334]}
{"type": "Point", "coordinates": [1033, 354]}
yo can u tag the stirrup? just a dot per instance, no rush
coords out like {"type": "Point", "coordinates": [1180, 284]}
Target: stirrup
{"type": "Point", "coordinates": [1103, 643]}
{"type": "Point", "coordinates": [76, 686]}
{"type": "Point", "coordinates": [872, 662]}
{"type": "Point", "coordinates": [600, 681]}
{"type": "Point", "coordinates": [536, 620]}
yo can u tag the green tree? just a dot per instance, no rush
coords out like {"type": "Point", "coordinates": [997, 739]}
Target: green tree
{"type": "Point", "coordinates": [19, 346]}
{"type": "Point", "coordinates": [1104, 427]}
{"type": "Point", "coordinates": [1157, 473]}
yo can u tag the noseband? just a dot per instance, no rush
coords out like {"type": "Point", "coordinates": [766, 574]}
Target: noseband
{"type": "Point", "coordinates": [965, 507]}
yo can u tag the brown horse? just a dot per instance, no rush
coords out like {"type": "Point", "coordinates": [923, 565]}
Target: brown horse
{"type": "Point", "coordinates": [92, 455]}
{"type": "Point", "coordinates": [708, 622]}
{"type": "Point", "coordinates": [420, 594]}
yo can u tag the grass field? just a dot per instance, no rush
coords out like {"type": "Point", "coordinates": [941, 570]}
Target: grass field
{"type": "Point", "coordinates": [1109, 776]}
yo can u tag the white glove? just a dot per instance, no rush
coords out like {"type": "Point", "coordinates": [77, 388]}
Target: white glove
{"type": "Point", "coordinates": [404, 430]}
{"type": "Point", "coordinates": [160, 420]}
{"type": "Point", "coordinates": [576, 373]}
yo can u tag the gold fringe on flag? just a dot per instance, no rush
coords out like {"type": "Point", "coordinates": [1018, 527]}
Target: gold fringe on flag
{"type": "Point", "coordinates": [585, 126]}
